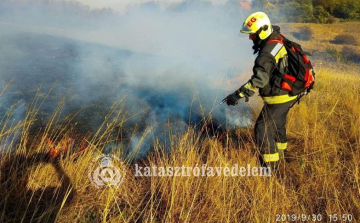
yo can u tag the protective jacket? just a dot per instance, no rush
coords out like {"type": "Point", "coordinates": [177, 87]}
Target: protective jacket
{"type": "Point", "coordinates": [268, 68]}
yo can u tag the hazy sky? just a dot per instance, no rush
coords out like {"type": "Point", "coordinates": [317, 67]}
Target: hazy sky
{"type": "Point", "coordinates": [120, 5]}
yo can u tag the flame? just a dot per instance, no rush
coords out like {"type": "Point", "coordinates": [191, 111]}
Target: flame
{"type": "Point", "coordinates": [65, 144]}
{"type": "Point", "coordinates": [54, 153]}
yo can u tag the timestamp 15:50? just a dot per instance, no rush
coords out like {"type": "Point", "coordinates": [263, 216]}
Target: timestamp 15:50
{"type": "Point", "coordinates": [340, 217]}
{"type": "Point", "coordinates": [314, 218]}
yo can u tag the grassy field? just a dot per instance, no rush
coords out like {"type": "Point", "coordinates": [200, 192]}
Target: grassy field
{"type": "Point", "coordinates": [336, 42]}
{"type": "Point", "coordinates": [319, 176]}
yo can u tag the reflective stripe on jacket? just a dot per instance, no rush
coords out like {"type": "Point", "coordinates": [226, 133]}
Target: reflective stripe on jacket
{"type": "Point", "coordinates": [271, 59]}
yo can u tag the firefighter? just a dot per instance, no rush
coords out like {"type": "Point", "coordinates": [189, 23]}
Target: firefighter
{"type": "Point", "coordinates": [271, 60]}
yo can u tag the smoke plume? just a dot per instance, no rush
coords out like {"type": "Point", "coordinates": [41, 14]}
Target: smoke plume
{"type": "Point", "coordinates": [169, 64]}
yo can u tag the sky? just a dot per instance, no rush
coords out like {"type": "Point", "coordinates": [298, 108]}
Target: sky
{"type": "Point", "coordinates": [120, 5]}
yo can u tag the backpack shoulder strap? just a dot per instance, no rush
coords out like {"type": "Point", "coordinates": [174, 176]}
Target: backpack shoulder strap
{"type": "Point", "coordinates": [294, 46]}
{"type": "Point", "coordinates": [275, 41]}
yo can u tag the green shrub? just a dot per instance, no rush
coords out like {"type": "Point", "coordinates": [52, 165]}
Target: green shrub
{"type": "Point", "coordinates": [320, 14]}
{"type": "Point", "coordinates": [347, 10]}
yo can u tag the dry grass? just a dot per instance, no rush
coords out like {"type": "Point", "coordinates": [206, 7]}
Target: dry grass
{"type": "Point", "coordinates": [320, 175]}
{"type": "Point", "coordinates": [323, 36]}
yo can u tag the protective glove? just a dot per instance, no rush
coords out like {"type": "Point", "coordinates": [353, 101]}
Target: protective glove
{"type": "Point", "coordinates": [232, 99]}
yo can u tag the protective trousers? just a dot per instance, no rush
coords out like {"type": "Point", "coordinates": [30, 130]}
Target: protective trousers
{"type": "Point", "coordinates": [270, 131]}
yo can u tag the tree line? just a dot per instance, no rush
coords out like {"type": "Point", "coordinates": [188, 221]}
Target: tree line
{"type": "Point", "coordinates": [319, 11]}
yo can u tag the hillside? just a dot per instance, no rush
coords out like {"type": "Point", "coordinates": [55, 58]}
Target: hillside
{"type": "Point", "coordinates": [334, 42]}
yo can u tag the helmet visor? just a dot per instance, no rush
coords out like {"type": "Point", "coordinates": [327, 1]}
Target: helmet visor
{"type": "Point", "coordinates": [246, 29]}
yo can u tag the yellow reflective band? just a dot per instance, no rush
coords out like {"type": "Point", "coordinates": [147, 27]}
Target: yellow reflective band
{"type": "Point", "coordinates": [271, 157]}
{"type": "Point", "coordinates": [281, 145]}
{"type": "Point", "coordinates": [279, 99]}
{"type": "Point", "coordinates": [249, 86]}
{"type": "Point", "coordinates": [280, 54]}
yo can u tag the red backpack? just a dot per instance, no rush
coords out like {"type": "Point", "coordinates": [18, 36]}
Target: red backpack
{"type": "Point", "coordinates": [299, 76]}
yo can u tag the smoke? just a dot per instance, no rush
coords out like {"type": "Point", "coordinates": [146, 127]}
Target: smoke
{"type": "Point", "coordinates": [171, 64]}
